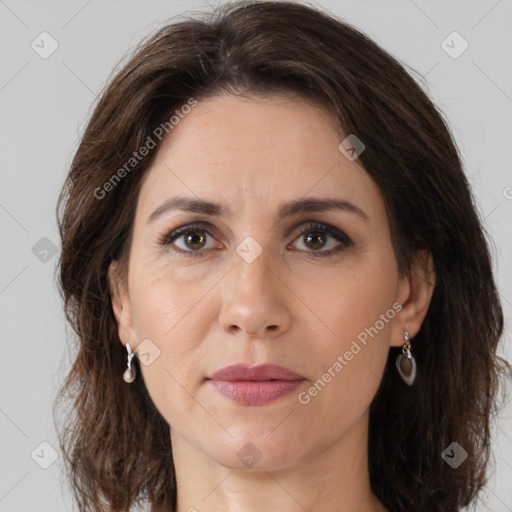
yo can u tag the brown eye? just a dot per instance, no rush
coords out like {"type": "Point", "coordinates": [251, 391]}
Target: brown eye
{"type": "Point", "coordinates": [194, 240]}
{"type": "Point", "coordinates": [315, 240]}
{"type": "Point", "coordinates": [323, 240]}
{"type": "Point", "coordinates": [189, 240]}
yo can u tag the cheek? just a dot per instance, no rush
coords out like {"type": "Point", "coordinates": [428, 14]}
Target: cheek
{"type": "Point", "coordinates": [174, 317]}
{"type": "Point", "coordinates": [355, 306]}
{"type": "Point", "coordinates": [348, 364]}
{"type": "Point", "coordinates": [165, 299]}
{"type": "Point", "coordinates": [349, 299]}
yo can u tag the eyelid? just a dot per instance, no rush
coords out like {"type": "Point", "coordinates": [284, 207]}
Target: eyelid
{"type": "Point", "coordinates": [176, 232]}
{"type": "Point", "coordinates": [170, 236]}
{"type": "Point", "coordinates": [305, 226]}
{"type": "Point", "coordinates": [332, 231]}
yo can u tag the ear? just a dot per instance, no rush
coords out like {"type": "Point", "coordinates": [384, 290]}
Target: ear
{"type": "Point", "coordinates": [414, 294]}
{"type": "Point", "coordinates": [120, 303]}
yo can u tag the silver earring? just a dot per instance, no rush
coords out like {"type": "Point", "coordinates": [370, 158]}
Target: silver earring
{"type": "Point", "coordinates": [130, 372]}
{"type": "Point", "coordinates": [405, 362]}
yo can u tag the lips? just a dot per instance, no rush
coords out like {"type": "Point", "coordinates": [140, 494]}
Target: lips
{"type": "Point", "coordinates": [240, 372]}
{"type": "Point", "coordinates": [256, 385]}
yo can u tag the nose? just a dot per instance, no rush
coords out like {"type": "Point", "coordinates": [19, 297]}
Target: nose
{"type": "Point", "coordinates": [255, 300]}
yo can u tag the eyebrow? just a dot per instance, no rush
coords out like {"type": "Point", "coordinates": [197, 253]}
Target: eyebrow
{"type": "Point", "coordinates": [308, 204]}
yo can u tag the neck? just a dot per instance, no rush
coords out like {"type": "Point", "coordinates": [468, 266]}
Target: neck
{"type": "Point", "coordinates": [336, 480]}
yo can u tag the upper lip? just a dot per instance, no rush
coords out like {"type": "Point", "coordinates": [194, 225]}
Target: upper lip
{"type": "Point", "coordinates": [261, 372]}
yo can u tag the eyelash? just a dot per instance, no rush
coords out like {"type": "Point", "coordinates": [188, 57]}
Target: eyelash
{"type": "Point", "coordinates": [345, 240]}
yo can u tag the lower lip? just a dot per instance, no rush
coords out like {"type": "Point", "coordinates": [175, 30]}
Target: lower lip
{"type": "Point", "coordinates": [248, 392]}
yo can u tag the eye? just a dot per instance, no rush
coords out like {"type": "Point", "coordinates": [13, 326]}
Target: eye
{"type": "Point", "coordinates": [189, 240]}
{"type": "Point", "coordinates": [320, 240]}
{"type": "Point", "coordinates": [317, 239]}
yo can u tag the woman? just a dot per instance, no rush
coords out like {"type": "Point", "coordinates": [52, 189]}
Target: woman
{"type": "Point", "coordinates": [282, 292]}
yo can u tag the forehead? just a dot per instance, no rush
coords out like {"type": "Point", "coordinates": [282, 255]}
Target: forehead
{"type": "Point", "coordinates": [254, 152]}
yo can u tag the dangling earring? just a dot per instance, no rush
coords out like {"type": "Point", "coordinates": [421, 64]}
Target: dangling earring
{"type": "Point", "coordinates": [130, 372]}
{"type": "Point", "coordinates": [405, 362]}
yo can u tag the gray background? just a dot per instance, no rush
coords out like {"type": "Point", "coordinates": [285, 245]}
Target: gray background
{"type": "Point", "coordinates": [44, 105]}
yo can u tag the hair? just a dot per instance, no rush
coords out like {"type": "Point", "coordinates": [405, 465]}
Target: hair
{"type": "Point", "coordinates": [116, 444]}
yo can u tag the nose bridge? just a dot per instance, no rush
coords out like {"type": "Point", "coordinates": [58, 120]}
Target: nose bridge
{"type": "Point", "coordinates": [252, 260]}
{"type": "Point", "coordinates": [253, 301]}
{"type": "Point", "coordinates": [252, 279]}
{"type": "Point", "coordinates": [254, 254]}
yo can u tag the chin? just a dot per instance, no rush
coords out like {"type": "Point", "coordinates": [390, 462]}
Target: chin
{"type": "Point", "coordinates": [248, 449]}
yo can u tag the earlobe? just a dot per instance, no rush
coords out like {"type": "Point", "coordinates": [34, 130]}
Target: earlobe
{"type": "Point", "coordinates": [120, 303]}
{"type": "Point", "coordinates": [415, 294]}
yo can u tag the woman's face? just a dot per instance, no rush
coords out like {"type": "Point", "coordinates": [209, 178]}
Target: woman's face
{"type": "Point", "coordinates": [263, 275]}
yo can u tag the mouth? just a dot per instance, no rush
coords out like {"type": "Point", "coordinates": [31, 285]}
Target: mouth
{"type": "Point", "coordinates": [256, 385]}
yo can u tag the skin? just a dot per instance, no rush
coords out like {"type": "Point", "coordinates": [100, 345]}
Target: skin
{"type": "Point", "coordinates": [286, 307]}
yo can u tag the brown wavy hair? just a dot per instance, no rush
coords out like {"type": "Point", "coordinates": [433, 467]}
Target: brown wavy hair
{"type": "Point", "coordinates": [116, 444]}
